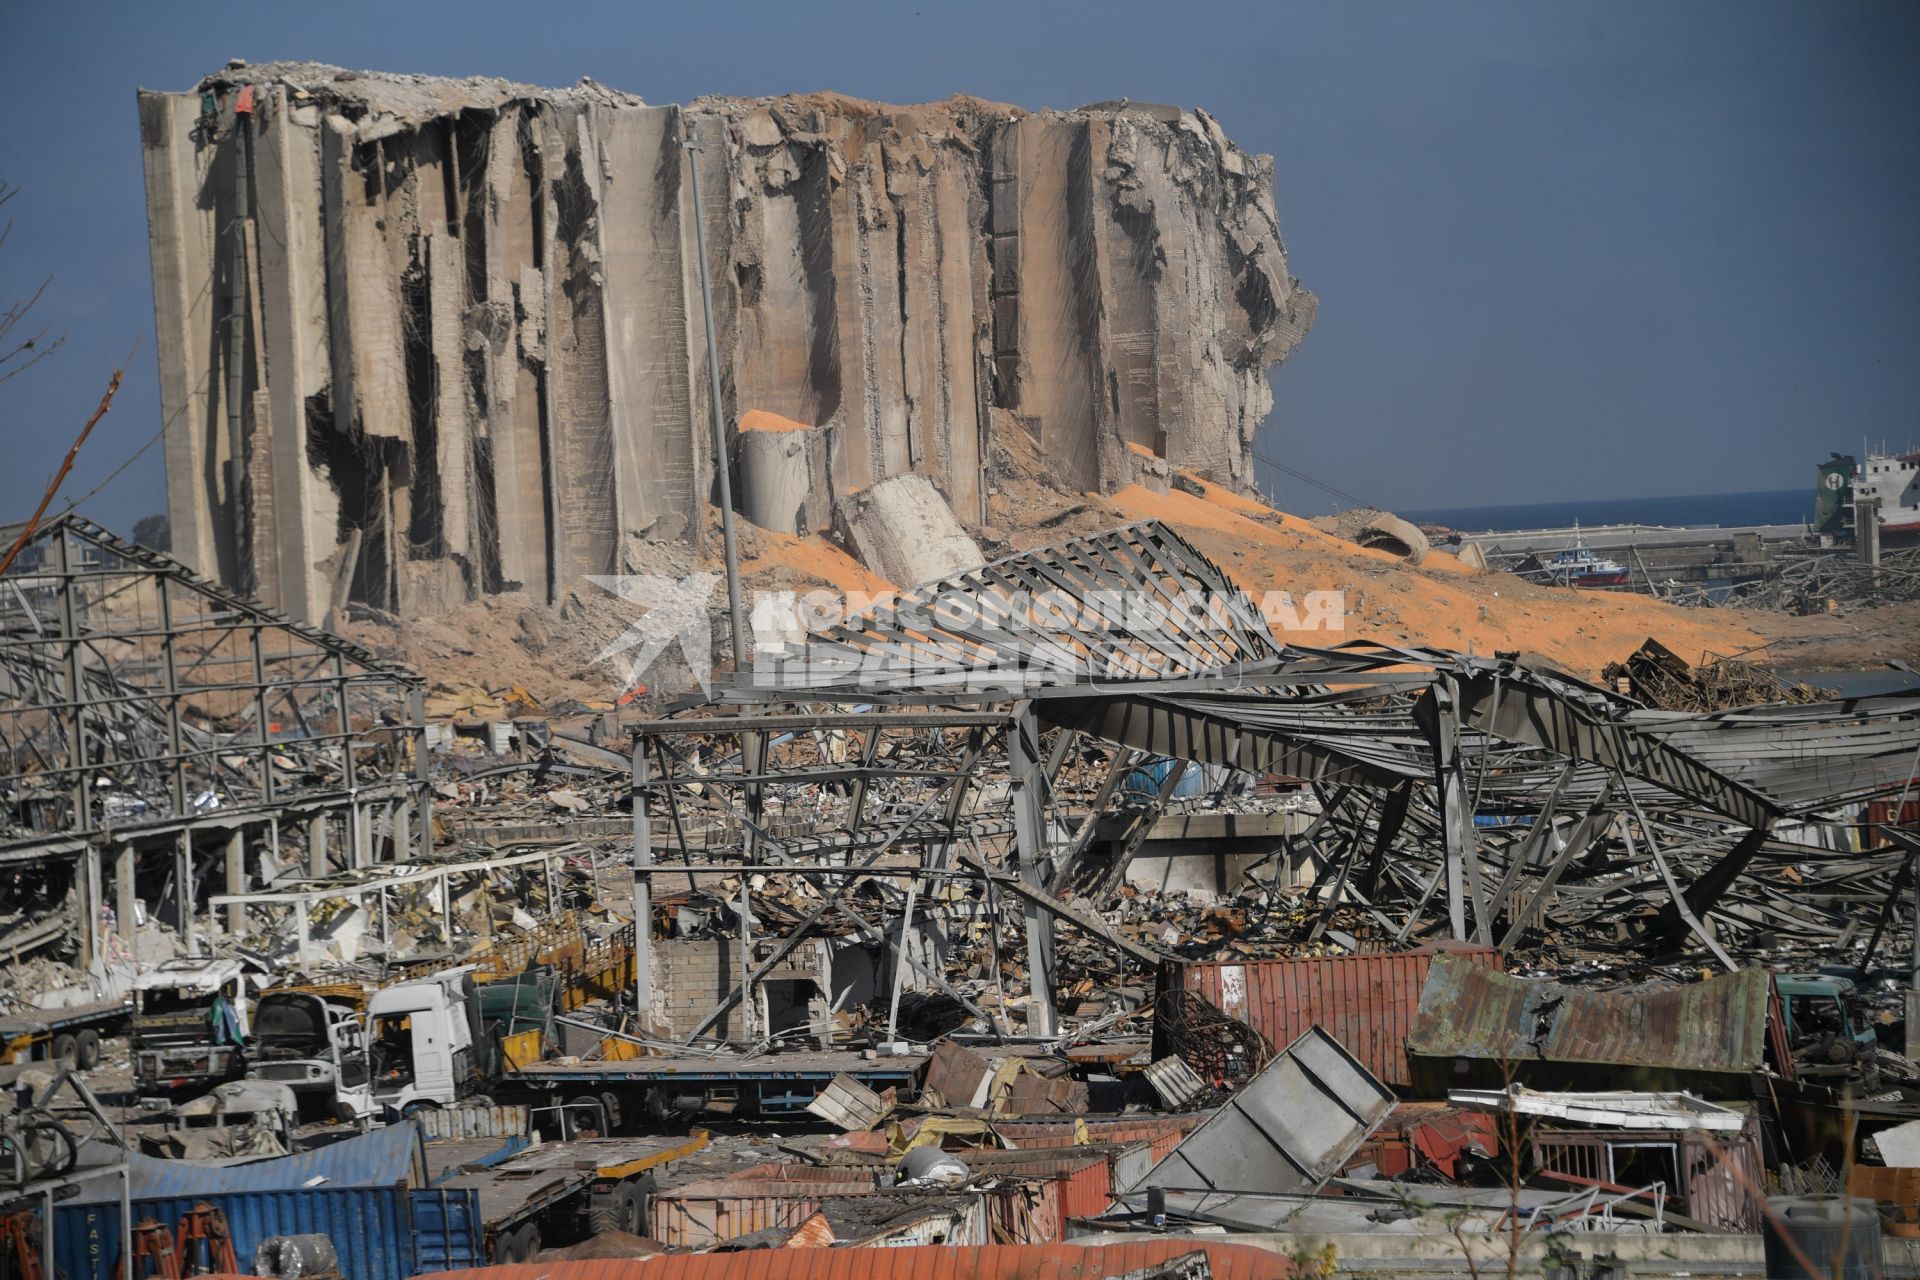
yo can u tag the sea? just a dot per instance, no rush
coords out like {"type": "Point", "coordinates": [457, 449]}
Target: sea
{"type": "Point", "coordinates": [1772, 506]}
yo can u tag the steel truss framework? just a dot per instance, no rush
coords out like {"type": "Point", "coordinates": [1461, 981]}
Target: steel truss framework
{"type": "Point", "coordinates": [144, 710]}
{"type": "Point", "coordinates": [1460, 797]}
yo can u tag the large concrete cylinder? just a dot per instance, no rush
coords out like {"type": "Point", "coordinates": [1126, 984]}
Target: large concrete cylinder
{"type": "Point", "coordinates": [774, 475]}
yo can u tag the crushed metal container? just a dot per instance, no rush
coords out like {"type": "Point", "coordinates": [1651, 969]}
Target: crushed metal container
{"type": "Point", "coordinates": [1287, 1130]}
{"type": "Point", "coordinates": [1366, 1002]}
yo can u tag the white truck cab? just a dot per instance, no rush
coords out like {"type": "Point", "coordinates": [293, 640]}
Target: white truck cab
{"type": "Point", "coordinates": [419, 1041]}
{"type": "Point", "coordinates": [176, 1043]}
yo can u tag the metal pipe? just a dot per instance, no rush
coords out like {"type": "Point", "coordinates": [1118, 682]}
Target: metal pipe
{"type": "Point", "coordinates": [642, 890]}
{"type": "Point", "coordinates": [734, 614]}
{"type": "Point", "coordinates": [237, 351]}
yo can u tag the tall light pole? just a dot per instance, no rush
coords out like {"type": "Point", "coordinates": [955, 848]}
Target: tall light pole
{"type": "Point", "coordinates": [738, 619]}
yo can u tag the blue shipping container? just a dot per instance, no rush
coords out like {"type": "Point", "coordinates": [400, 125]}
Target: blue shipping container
{"type": "Point", "coordinates": [1144, 782]}
{"type": "Point", "coordinates": [380, 1233]}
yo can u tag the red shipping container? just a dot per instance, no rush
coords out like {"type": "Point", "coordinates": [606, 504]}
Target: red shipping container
{"type": "Point", "coordinates": [1086, 1180]}
{"type": "Point", "coordinates": [1366, 1002]}
{"type": "Point", "coordinates": [1025, 1213]}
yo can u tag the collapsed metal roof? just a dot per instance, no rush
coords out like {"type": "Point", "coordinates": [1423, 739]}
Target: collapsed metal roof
{"type": "Point", "coordinates": [1134, 639]}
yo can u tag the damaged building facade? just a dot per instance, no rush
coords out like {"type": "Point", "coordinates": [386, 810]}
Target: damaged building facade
{"type": "Point", "coordinates": [423, 339]}
{"type": "Point", "coordinates": [165, 738]}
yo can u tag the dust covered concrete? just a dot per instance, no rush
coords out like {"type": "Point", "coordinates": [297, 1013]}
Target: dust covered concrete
{"type": "Point", "coordinates": [470, 356]}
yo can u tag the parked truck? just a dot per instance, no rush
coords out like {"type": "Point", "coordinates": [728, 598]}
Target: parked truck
{"type": "Point", "coordinates": [308, 1041]}
{"type": "Point", "coordinates": [415, 1045]}
{"type": "Point", "coordinates": [315, 1037]}
{"type": "Point", "coordinates": [190, 1024]}
{"type": "Point", "coordinates": [71, 1035]}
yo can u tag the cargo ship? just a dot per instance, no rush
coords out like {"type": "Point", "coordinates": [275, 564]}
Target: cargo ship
{"type": "Point", "coordinates": [1892, 480]}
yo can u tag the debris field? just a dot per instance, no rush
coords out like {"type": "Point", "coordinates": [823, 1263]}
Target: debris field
{"type": "Point", "coordinates": [951, 923]}
{"type": "Point", "coordinates": [1061, 911]}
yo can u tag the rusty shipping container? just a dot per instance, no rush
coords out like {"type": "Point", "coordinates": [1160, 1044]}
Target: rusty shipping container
{"type": "Point", "coordinates": [1025, 1213]}
{"type": "Point", "coordinates": [702, 1214]}
{"type": "Point", "coordinates": [1052, 1186]}
{"type": "Point", "coordinates": [1366, 1002]}
{"type": "Point", "coordinates": [1085, 1174]}
{"type": "Point", "coordinates": [1163, 1131]}
{"type": "Point", "coordinates": [1058, 1262]}
{"type": "Point", "coordinates": [1477, 1028]}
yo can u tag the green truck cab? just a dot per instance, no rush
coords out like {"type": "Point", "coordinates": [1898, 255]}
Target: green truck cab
{"type": "Point", "coordinates": [1820, 1016]}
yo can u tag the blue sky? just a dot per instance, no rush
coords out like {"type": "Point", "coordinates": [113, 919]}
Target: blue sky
{"type": "Point", "coordinates": [1563, 250]}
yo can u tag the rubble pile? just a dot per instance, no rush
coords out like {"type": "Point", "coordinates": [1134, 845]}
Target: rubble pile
{"type": "Point", "coordinates": [1659, 677]}
{"type": "Point", "coordinates": [1093, 890]}
{"type": "Point", "coordinates": [970, 924]}
{"type": "Point", "coordinates": [1822, 582]}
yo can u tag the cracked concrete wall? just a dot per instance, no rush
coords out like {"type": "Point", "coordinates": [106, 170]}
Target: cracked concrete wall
{"type": "Point", "coordinates": [473, 316]}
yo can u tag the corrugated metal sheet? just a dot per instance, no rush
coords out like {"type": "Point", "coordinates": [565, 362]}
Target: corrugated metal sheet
{"type": "Point", "coordinates": [713, 1210]}
{"type": "Point", "coordinates": [958, 1075]}
{"type": "Point", "coordinates": [1161, 1133]}
{"type": "Point", "coordinates": [847, 1104]}
{"type": "Point", "coordinates": [1367, 1002]}
{"type": "Point", "coordinates": [1288, 1130]}
{"type": "Point", "coordinates": [447, 1156]}
{"type": "Point", "coordinates": [447, 1230]}
{"type": "Point", "coordinates": [1085, 1174]}
{"type": "Point", "coordinates": [793, 1174]}
{"type": "Point", "coordinates": [1086, 1192]}
{"type": "Point", "coordinates": [967, 1227]}
{"type": "Point", "coordinates": [380, 1233]}
{"type": "Point", "coordinates": [1133, 1161]}
{"type": "Point", "coordinates": [993, 1262]}
{"type": "Point", "coordinates": [1648, 1039]}
{"type": "Point", "coordinates": [1064, 1132]}
{"type": "Point", "coordinates": [949, 1222]}
{"type": "Point", "coordinates": [389, 1157]}
{"type": "Point", "coordinates": [701, 1221]}
{"type": "Point", "coordinates": [1053, 1185]}
{"type": "Point", "coordinates": [1025, 1213]}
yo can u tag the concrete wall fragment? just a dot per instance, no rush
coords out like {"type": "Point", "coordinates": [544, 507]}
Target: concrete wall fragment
{"type": "Point", "coordinates": [904, 531]}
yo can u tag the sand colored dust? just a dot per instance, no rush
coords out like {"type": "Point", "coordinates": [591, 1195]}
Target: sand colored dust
{"type": "Point", "coordinates": [762, 420]}
{"type": "Point", "coordinates": [1440, 603]}
{"type": "Point", "coordinates": [811, 560]}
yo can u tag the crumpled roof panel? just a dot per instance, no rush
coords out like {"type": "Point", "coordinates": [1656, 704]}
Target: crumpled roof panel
{"type": "Point", "coordinates": [1469, 1011]}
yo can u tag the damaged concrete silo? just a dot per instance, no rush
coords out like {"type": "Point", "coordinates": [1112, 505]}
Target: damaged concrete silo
{"type": "Point", "coordinates": [422, 339]}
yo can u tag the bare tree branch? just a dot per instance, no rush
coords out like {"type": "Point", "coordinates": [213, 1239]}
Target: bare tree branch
{"type": "Point", "coordinates": [17, 355]}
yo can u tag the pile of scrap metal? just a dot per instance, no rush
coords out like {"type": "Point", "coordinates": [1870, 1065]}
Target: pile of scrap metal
{"type": "Point", "coordinates": [1661, 678]}
{"type": "Point", "coordinates": [937, 782]}
{"type": "Point", "coordinates": [1457, 797]}
{"type": "Point", "coordinates": [1821, 580]}
{"type": "Point", "coordinates": [1071, 899]}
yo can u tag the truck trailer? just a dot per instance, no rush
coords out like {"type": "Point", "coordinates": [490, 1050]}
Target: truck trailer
{"type": "Point", "coordinates": [71, 1036]}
